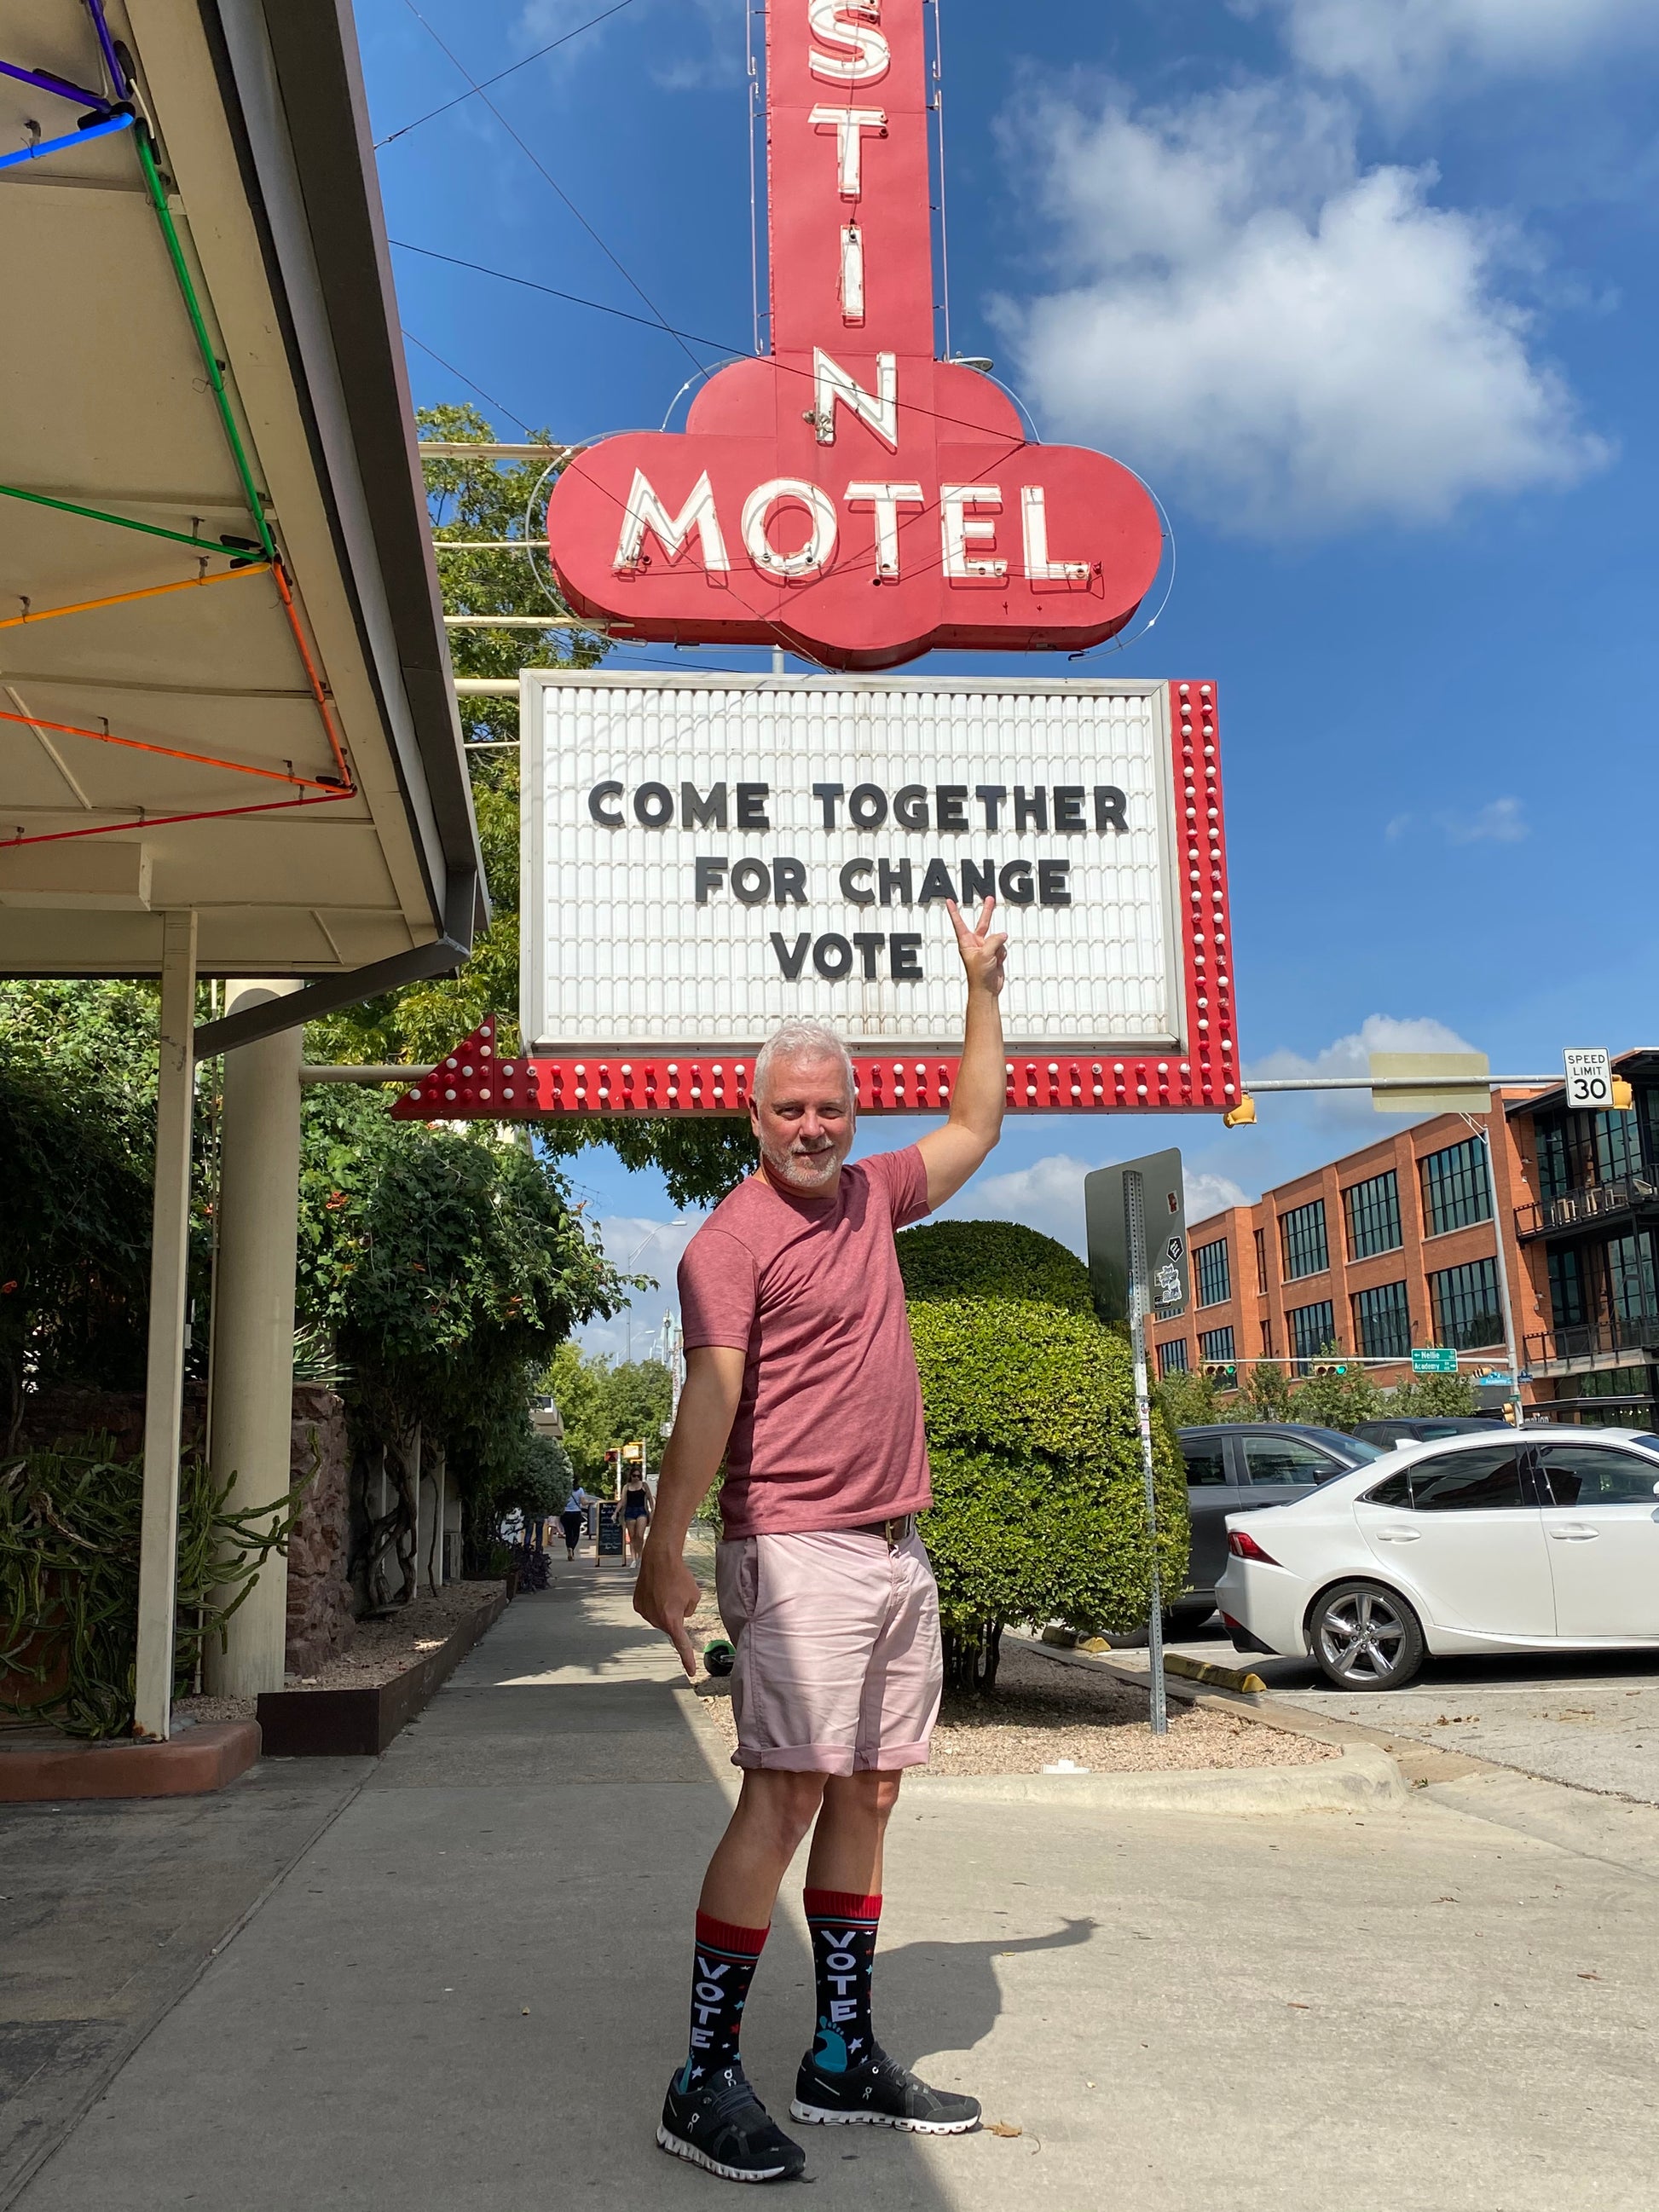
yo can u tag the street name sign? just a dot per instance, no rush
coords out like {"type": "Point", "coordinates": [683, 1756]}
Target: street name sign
{"type": "Point", "coordinates": [1434, 1359]}
{"type": "Point", "coordinates": [849, 494]}
{"type": "Point", "coordinates": [1589, 1080]}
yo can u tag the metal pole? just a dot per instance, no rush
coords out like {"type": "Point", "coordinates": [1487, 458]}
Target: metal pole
{"type": "Point", "coordinates": [1134, 1224]}
{"type": "Point", "coordinates": [1511, 1349]}
{"type": "Point", "coordinates": [164, 1378]}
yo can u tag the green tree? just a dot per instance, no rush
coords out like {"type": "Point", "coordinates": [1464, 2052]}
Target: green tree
{"type": "Point", "coordinates": [1338, 1400]}
{"type": "Point", "coordinates": [1426, 1394]}
{"type": "Point", "coordinates": [1267, 1396]}
{"type": "Point", "coordinates": [605, 1403]}
{"type": "Point", "coordinates": [1191, 1400]}
{"type": "Point", "coordinates": [1039, 1508]}
{"type": "Point", "coordinates": [702, 1156]}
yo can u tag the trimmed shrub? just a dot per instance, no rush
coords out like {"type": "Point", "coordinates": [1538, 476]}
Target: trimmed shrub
{"type": "Point", "coordinates": [992, 1259]}
{"type": "Point", "coordinates": [1039, 1509]}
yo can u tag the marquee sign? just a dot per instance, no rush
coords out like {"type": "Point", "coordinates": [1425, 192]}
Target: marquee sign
{"type": "Point", "coordinates": [704, 856]}
{"type": "Point", "coordinates": [850, 496]}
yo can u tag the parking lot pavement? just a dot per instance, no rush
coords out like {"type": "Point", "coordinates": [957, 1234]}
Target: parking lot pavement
{"type": "Point", "coordinates": [1590, 1719]}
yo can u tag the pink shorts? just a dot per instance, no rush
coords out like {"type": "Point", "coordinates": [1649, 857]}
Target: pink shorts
{"type": "Point", "coordinates": [839, 1667]}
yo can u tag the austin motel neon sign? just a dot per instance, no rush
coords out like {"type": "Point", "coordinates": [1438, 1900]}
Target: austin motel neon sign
{"type": "Point", "coordinates": [850, 496]}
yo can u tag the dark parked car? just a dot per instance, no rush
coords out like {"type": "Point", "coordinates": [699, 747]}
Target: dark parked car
{"type": "Point", "coordinates": [1423, 1429]}
{"type": "Point", "coordinates": [1238, 1467]}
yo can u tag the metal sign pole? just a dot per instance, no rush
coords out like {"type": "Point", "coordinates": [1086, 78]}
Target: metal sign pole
{"type": "Point", "coordinates": [1134, 1225]}
{"type": "Point", "coordinates": [1511, 1348]}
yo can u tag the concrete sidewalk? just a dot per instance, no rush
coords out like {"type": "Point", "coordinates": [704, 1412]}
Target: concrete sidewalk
{"type": "Point", "coordinates": [470, 1990]}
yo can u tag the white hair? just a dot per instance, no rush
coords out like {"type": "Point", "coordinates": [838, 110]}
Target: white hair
{"type": "Point", "coordinates": [798, 1040]}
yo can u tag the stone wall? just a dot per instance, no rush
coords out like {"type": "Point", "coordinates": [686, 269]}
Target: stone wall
{"type": "Point", "coordinates": [320, 1622]}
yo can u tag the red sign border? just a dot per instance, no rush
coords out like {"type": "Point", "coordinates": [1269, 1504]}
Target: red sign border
{"type": "Point", "coordinates": [478, 1083]}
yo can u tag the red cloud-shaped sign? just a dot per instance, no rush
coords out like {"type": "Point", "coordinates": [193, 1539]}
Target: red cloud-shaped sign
{"type": "Point", "coordinates": [849, 495]}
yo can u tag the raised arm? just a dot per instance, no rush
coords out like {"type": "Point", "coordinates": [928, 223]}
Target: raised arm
{"type": "Point", "coordinates": [958, 1151]}
{"type": "Point", "coordinates": [665, 1592]}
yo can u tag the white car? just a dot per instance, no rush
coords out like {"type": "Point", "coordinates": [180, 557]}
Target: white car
{"type": "Point", "coordinates": [1534, 1540]}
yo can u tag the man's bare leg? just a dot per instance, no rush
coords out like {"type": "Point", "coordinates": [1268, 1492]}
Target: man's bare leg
{"type": "Point", "coordinates": [773, 1813]}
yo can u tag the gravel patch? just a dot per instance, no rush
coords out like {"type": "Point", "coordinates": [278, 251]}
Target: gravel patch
{"type": "Point", "coordinates": [1042, 1713]}
{"type": "Point", "coordinates": [380, 1652]}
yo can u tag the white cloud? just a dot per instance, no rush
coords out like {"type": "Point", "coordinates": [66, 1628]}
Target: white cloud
{"type": "Point", "coordinates": [637, 1245]}
{"type": "Point", "coordinates": [1400, 49]}
{"type": "Point", "coordinates": [541, 22]}
{"type": "Point", "coordinates": [1350, 1054]}
{"type": "Point", "coordinates": [1298, 342]}
{"type": "Point", "coordinates": [1047, 1196]}
{"type": "Point", "coordinates": [1500, 822]}
{"type": "Point", "coordinates": [1208, 1193]}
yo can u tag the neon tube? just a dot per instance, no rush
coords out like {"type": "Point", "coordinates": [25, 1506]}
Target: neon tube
{"type": "Point", "coordinates": [44, 80]}
{"type": "Point", "coordinates": [167, 752]}
{"type": "Point", "coordinates": [106, 46]}
{"type": "Point", "coordinates": [155, 820]}
{"type": "Point", "coordinates": [74, 138]}
{"type": "Point", "coordinates": [122, 598]}
{"type": "Point", "coordinates": [127, 522]}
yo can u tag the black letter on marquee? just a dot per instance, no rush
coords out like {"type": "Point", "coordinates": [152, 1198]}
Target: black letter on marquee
{"type": "Point", "coordinates": [848, 876]}
{"type": "Point", "coordinates": [869, 946]}
{"type": "Point", "coordinates": [654, 805]}
{"type": "Point", "coordinates": [710, 874]}
{"type": "Point", "coordinates": [1068, 807]}
{"type": "Point", "coordinates": [910, 807]}
{"type": "Point", "coordinates": [827, 794]}
{"type": "Point", "coordinates": [950, 805]}
{"type": "Point", "coordinates": [867, 806]}
{"type": "Point", "coordinates": [991, 796]}
{"type": "Point", "coordinates": [1052, 887]}
{"type": "Point", "coordinates": [1015, 883]}
{"type": "Point", "coordinates": [789, 881]}
{"type": "Point", "coordinates": [1109, 803]}
{"type": "Point", "coordinates": [596, 799]}
{"type": "Point", "coordinates": [936, 884]}
{"type": "Point", "coordinates": [832, 957]}
{"type": "Point", "coordinates": [978, 882]}
{"type": "Point", "coordinates": [751, 881]}
{"type": "Point", "coordinates": [751, 805]}
{"type": "Point", "coordinates": [891, 879]}
{"type": "Point", "coordinates": [791, 962]}
{"type": "Point", "coordinates": [1029, 807]}
{"type": "Point", "coordinates": [702, 814]}
{"type": "Point", "coordinates": [905, 947]}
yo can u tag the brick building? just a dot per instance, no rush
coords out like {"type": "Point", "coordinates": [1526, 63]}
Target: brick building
{"type": "Point", "coordinates": [1396, 1246]}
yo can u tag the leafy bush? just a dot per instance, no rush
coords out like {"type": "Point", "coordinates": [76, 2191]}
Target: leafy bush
{"type": "Point", "coordinates": [1039, 1499]}
{"type": "Point", "coordinates": [1432, 1393]}
{"type": "Point", "coordinates": [69, 1526]}
{"type": "Point", "coordinates": [1191, 1400]}
{"type": "Point", "coordinates": [1338, 1401]}
{"type": "Point", "coordinates": [992, 1259]}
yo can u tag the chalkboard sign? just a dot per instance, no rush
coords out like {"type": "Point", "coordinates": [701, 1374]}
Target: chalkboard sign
{"type": "Point", "coordinates": [610, 1542]}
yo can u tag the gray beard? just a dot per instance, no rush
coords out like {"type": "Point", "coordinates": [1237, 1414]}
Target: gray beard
{"type": "Point", "coordinates": [796, 1174]}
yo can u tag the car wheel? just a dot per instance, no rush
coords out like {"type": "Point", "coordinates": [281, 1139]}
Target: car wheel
{"type": "Point", "coordinates": [1366, 1637]}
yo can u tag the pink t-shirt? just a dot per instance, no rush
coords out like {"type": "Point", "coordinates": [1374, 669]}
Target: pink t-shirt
{"type": "Point", "coordinates": [828, 1433]}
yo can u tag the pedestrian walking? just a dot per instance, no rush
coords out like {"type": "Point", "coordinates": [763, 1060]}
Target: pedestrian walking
{"type": "Point", "coordinates": [636, 1515]}
{"type": "Point", "coordinates": [573, 1518]}
{"type": "Point", "coordinates": [800, 1373]}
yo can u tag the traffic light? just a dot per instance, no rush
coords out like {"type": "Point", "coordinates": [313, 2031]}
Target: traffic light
{"type": "Point", "coordinates": [1241, 1116]}
{"type": "Point", "coordinates": [1623, 1097]}
{"type": "Point", "coordinates": [1224, 1371]}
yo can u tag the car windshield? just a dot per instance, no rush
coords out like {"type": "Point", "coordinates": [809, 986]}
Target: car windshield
{"type": "Point", "coordinates": [1354, 1449]}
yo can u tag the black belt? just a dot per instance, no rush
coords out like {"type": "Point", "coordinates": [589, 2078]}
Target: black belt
{"type": "Point", "coordinates": [897, 1532]}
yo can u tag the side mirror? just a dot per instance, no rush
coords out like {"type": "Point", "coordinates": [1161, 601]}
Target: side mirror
{"type": "Point", "coordinates": [1655, 1489]}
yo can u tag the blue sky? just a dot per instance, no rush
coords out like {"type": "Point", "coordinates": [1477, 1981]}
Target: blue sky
{"type": "Point", "coordinates": [1364, 288]}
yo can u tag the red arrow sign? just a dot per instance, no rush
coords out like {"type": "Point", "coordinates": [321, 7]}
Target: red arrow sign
{"type": "Point", "coordinates": [849, 495]}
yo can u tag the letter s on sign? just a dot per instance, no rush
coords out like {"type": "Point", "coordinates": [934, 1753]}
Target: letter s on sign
{"type": "Point", "coordinates": [849, 23]}
{"type": "Point", "coordinates": [596, 799]}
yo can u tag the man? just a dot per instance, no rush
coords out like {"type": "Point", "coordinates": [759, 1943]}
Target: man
{"type": "Point", "coordinates": [799, 1371]}
{"type": "Point", "coordinates": [574, 1518]}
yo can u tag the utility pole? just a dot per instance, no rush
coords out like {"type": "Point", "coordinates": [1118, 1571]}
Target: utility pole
{"type": "Point", "coordinates": [1134, 1227]}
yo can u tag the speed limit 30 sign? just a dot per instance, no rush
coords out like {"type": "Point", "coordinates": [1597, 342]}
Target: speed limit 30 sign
{"type": "Point", "coordinates": [1589, 1080]}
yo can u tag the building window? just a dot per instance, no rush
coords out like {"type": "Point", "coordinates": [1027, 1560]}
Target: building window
{"type": "Point", "coordinates": [1215, 1347]}
{"type": "Point", "coordinates": [1172, 1357]}
{"type": "Point", "coordinates": [1630, 1269]}
{"type": "Point", "coordinates": [1455, 1191]}
{"type": "Point", "coordinates": [1554, 1159]}
{"type": "Point", "coordinates": [1566, 1288]}
{"type": "Point", "coordinates": [1267, 1352]}
{"type": "Point", "coordinates": [1373, 1211]}
{"type": "Point", "coordinates": [1261, 1262]}
{"type": "Point", "coordinates": [1382, 1322]}
{"type": "Point", "coordinates": [1313, 1330]}
{"type": "Point", "coordinates": [1302, 1234]}
{"type": "Point", "coordinates": [1215, 1282]}
{"type": "Point", "coordinates": [1618, 1147]}
{"type": "Point", "coordinates": [1467, 1313]}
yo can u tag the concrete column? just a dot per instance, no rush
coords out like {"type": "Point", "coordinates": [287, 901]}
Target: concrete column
{"type": "Point", "coordinates": [252, 1376]}
{"type": "Point", "coordinates": [164, 1376]}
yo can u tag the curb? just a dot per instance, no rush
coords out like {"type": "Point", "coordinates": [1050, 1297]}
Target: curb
{"type": "Point", "coordinates": [200, 1759]}
{"type": "Point", "coordinates": [1364, 1779]}
{"type": "Point", "coordinates": [1218, 1677]}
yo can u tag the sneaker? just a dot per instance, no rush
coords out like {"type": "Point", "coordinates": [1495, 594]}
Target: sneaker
{"type": "Point", "coordinates": [876, 2090]}
{"type": "Point", "coordinates": [720, 2125]}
